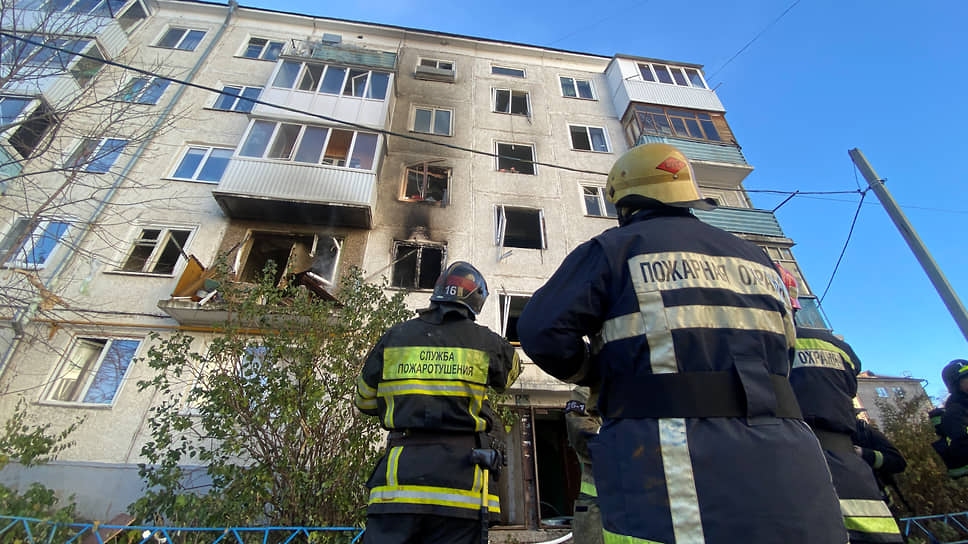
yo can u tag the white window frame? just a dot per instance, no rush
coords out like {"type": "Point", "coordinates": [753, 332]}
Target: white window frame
{"type": "Point", "coordinates": [497, 160]}
{"type": "Point", "coordinates": [22, 132]}
{"type": "Point", "coordinates": [89, 373]}
{"type": "Point", "coordinates": [588, 134]}
{"type": "Point", "coordinates": [19, 258]}
{"type": "Point", "coordinates": [504, 316]}
{"type": "Point", "coordinates": [574, 85]}
{"type": "Point", "coordinates": [265, 49]}
{"type": "Point", "coordinates": [95, 11]}
{"type": "Point", "coordinates": [181, 40]}
{"type": "Point", "coordinates": [347, 71]}
{"type": "Point", "coordinates": [298, 141]}
{"type": "Point", "coordinates": [159, 245]}
{"type": "Point", "coordinates": [511, 95]}
{"type": "Point", "coordinates": [681, 70]}
{"type": "Point", "coordinates": [84, 161]}
{"type": "Point", "coordinates": [437, 63]}
{"type": "Point", "coordinates": [524, 73]}
{"type": "Point", "coordinates": [236, 99]}
{"type": "Point", "coordinates": [418, 247]}
{"type": "Point", "coordinates": [882, 392]}
{"type": "Point", "coordinates": [603, 203]}
{"type": "Point", "coordinates": [209, 150]}
{"type": "Point", "coordinates": [502, 221]}
{"type": "Point", "coordinates": [433, 120]}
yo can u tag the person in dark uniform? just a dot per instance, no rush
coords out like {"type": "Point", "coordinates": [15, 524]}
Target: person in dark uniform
{"type": "Point", "coordinates": [426, 379]}
{"type": "Point", "coordinates": [879, 453]}
{"type": "Point", "coordinates": [824, 378]}
{"type": "Point", "coordinates": [702, 439]}
{"type": "Point", "coordinates": [951, 422]}
{"type": "Point", "coordinates": [582, 422]}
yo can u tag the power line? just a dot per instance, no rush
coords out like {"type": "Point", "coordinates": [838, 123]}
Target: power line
{"type": "Point", "coordinates": [596, 23]}
{"type": "Point", "coordinates": [793, 5]}
{"type": "Point", "coordinates": [850, 233]}
{"type": "Point", "coordinates": [296, 110]}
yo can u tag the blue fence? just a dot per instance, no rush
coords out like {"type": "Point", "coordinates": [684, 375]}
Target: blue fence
{"type": "Point", "coordinates": [938, 528]}
{"type": "Point", "coordinates": [38, 531]}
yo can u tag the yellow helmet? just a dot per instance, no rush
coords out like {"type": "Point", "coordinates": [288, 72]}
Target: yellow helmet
{"type": "Point", "coordinates": [657, 171]}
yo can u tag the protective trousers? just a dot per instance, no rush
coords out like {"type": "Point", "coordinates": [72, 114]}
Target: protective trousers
{"type": "Point", "coordinates": [866, 516]}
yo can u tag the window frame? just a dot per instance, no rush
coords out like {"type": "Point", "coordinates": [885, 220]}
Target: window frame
{"type": "Point", "coordinates": [510, 169]}
{"type": "Point", "coordinates": [125, 94]}
{"type": "Point", "coordinates": [21, 258]}
{"type": "Point", "coordinates": [419, 247]}
{"type": "Point", "coordinates": [266, 48]}
{"type": "Point", "coordinates": [202, 164]}
{"type": "Point", "coordinates": [502, 224]}
{"type": "Point", "coordinates": [22, 134]}
{"type": "Point", "coordinates": [603, 204]}
{"type": "Point", "coordinates": [187, 31]}
{"type": "Point", "coordinates": [882, 392]}
{"type": "Point", "coordinates": [433, 120]}
{"type": "Point", "coordinates": [575, 86]}
{"type": "Point", "coordinates": [298, 140]}
{"type": "Point", "coordinates": [90, 371]}
{"type": "Point", "coordinates": [672, 70]}
{"type": "Point", "coordinates": [159, 247]}
{"type": "Point", "coordinates": [663, 123]}
{"type": "Point", "coordinates": [425, 183]}
{"type": "Point", "coordinates": [452, 68]}
{"type": "Point", "coordinates": [495, 91]}
{"type": "Point", "coordinates": [508, 71]}
{"type": "Point", "coordinates": [504, 315]}
{"type": "Point", "coordinates": [306, 69]}
{"type": "Point", "coordinates": [90, 158]}
{"type": "Point", "coordinates": [237, 99]}
{"type": "Point", "coordinates": [242, 256]}
{"type": "Point", "coordinates": [588, 135]}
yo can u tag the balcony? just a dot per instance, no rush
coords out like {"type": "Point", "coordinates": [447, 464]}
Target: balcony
{"type": "Point", "coordinates": [717, 165]}
{"type": "Point", "coordinates": [742, 221]}
{"type": "Point", "coordinates": [297, 193]}
{"type": "Point", "coordinates": [357, 86]}
{"type": "Point", "coordinates": [809, 315]}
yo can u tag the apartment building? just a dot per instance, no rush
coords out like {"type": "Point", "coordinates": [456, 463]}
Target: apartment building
{"type": "Point", "coordinates": [394, 149]}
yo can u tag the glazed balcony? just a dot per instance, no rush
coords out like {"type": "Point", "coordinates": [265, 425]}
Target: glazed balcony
{"type": "Point", "coordinates": [718, 165]}
{"type": "Point", "coordinates": [742, 221]}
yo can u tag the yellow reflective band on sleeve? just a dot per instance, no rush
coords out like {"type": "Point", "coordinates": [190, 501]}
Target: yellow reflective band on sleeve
{"type": "Point", "coordinates": [388, 416]}
{"type": "Point", "coordinates": [589, 489]}
{"type": "Point", "coordinates": [815, 344]}
{"type": "Point", "coordinates": [365, 395]}
{"type": "Point", "coordinates": [878, 459]}
{"type": "Point", "coordinates": [871, 525]}
{"type": "Point", "coordinates": [435, 363]}
{"type": "Point", "coordinates": [864, 507]}
{"type": "Point", "coordinates": [442, 496]}
{"type": "Point", "coordinates": [393, 459]}
{"type": "Point", "coordinates": [614, 538]}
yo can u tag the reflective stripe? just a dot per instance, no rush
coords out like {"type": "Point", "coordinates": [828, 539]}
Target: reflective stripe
{"type": "Point", "coordinates": [388, 416]}
{"type": "Point", "coordinates": [878, 459]}
{"type": "Point", "coordinates": [871, 525]}
{"type": "Point", "coordinates": [365, 398]}
{"type": "Point", "coordinates": [864, 507]}
{"type": "Point", "coordinates": [433, 362]}
{"type": "Point", "coordinates": [393, 460]}
{"type": "Point", "coordinates": [725, 317]}
{"type": "Point", "coordinates": [588, 488]}
{"type": "Point", "coordinates": [615, 538]}
{"type": "Point", "coordinates": [805, 344]}
{"type": "Point", "coordinates": [443, 496]}
{"type": "Point", "coordinates": [683, 270]}
{"type": "Point", "coordinates": [662, 350]}
{"type": "Point", "coordinates": [430, 387]}
{"type": "Point", "coordinates": [680, 482]}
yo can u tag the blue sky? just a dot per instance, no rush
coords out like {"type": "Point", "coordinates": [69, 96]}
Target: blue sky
{"type": "Point", "coordinates": [882, 76]}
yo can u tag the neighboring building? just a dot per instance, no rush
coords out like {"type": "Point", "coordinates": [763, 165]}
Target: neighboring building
{"type": "Point", "coordinates": [874, 391]}
{"type": "Point", "coordinates": [256, 183]}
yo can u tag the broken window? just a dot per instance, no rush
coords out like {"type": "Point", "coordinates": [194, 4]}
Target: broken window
{"type": "Point", "coordinates": [588, 138]}
{"type": "Point", "coordinates": [426, 182]}
{"type": "Point", "coordinates": [29, 130]}
{"type": "Point", "coordinates": [93, 370]}
{"type": "Point", "coordinates": [416, 265]}
{"type": "Point", "coordinates": [511, 308]}
{"type": "Point", "coordinates": [314, 257]}
{"type": "Point", "coordinates": [595, 202]}
{"type": "Point", "coordinates": [513, 102]}
{"type": "Point", "coordinates": [515, 158]}
{"type": "Point", "coordinates": [520, 227]}
{"type": "Point", "coordinates": [156, 251]}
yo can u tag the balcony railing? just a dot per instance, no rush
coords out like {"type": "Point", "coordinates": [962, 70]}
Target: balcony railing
{"type": "Point", "coordinates": [297, 193]}
{"type": "Point", "coordinates": [648, 92]}
{"type": "Point", "coordinates": [335, 52]}
{"type": "Point", "coordinates": [721, 165]}
{"type": "Point", "coordinates": [742, 220]}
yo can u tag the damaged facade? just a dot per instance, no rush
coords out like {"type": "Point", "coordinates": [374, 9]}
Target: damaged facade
{"type": "Point", "coordinates": [256, 183]}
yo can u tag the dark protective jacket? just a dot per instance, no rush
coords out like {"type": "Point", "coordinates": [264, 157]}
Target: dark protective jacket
{"type": "Point", "coordinates": [691, 322]}
{"type": "Point", "coordinates": [878, 452]}
{"type": "Point", "coordinates": [426, 379]}
{"type": "Point", "coordinates": [953, 429]}
{"type": "Point", "coordinates": [824, 378]}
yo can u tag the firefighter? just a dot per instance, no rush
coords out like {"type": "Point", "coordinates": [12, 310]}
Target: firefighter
{"type": "Point", "coordinates": [701, 439]}
{"type": "Point", "coordinates": [426, 380]}
{"type": "Point", "coordinates": [881, 455]}
{"type": "Point", "coordinates": [824, 378]}
{"type": "Point", "coordinates": [951, 422]}
{"type": "Point", "coordinates": [582, 422]}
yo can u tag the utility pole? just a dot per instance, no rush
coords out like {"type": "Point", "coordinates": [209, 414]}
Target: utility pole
{"type": "Point", "coordinates": [934, 273]}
